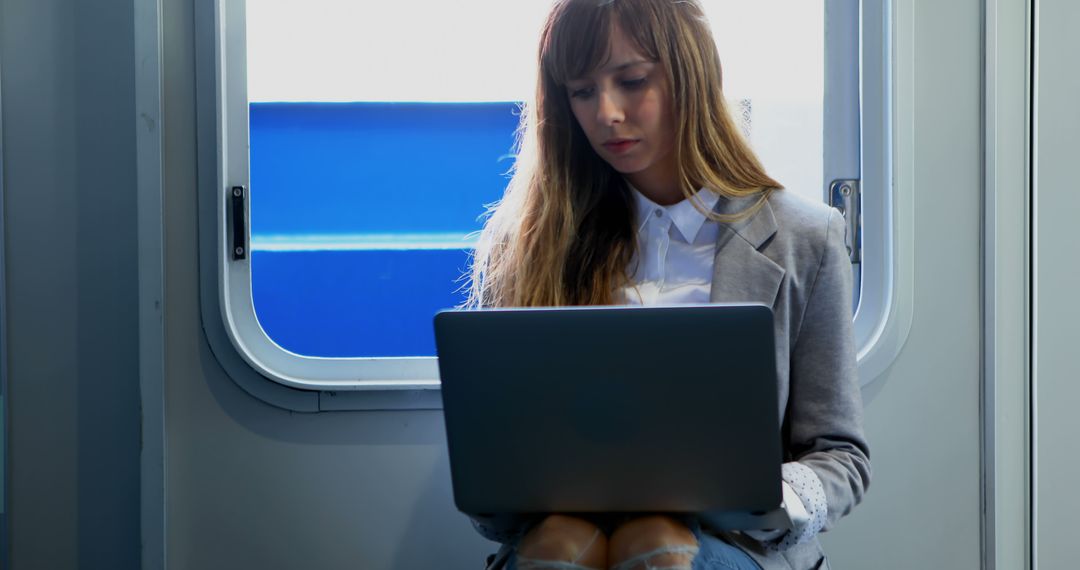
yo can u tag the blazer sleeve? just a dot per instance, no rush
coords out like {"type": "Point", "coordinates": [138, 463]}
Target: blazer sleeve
{"type": "Point", "coordinates": [823, 423]}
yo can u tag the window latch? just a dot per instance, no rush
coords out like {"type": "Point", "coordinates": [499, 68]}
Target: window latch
{"type": "Point", "coordinates": [845, 195]}
{"type": "Point", "coordinates": [238, 245]}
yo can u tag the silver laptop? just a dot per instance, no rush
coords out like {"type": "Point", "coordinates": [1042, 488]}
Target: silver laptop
{"type": "Point", "coordinates": [614, 409]}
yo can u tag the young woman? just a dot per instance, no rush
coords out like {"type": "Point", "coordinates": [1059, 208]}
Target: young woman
{"type": "Point", "coordinates": [633, 186]}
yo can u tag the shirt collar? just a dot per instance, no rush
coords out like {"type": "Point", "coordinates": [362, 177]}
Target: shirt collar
{"type": "Point", "coordinates": [683, 214]}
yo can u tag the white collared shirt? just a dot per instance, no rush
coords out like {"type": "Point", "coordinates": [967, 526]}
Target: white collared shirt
{"type": "Point", "coordinates": [676, 246]}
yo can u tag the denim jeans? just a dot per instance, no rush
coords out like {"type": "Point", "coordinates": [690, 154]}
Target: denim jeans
{"type": "Point", "coordinates": [716, 554]}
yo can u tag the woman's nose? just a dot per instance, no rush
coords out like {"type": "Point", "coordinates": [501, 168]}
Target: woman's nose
{"type": "Point", "coordinates": [609, 109]}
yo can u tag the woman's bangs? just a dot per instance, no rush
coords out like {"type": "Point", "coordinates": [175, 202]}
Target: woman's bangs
{"type": "Point", "coordinates": [640, 23]}
{"type": "Point", "coordinates": [579, 40]}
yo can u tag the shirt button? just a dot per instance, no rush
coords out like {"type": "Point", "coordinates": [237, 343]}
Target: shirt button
{"type": "Point", "coordinates": [658, 213]}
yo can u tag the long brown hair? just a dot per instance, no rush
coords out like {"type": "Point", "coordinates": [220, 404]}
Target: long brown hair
{"type": "Point", "coordinates": [563, 233]}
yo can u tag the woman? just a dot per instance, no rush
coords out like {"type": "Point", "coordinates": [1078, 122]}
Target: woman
{"type": "Point", "coordinates": [633, 185]}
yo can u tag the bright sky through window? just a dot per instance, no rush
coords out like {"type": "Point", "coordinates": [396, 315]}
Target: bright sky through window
{"type": "Point", "coordinates": [482, 50]}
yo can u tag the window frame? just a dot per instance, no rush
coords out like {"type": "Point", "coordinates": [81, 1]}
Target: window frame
{"type": "Point", "coordinates": [305, 383]}
{"type": "Point", "coordinates": [886, 303]}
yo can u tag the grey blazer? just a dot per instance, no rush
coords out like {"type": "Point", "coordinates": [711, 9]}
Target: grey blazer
{"type": "Point", "coordinates": [791, 256]}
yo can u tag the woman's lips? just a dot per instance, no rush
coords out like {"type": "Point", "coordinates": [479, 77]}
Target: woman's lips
{"type": "Point", "coordinates": [620, 146]}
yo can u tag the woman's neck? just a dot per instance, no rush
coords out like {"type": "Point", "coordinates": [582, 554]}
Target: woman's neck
{"type": "Point", "coordinates": [658, 183]}
{"type": "Point", "coordinates": [662, 193]}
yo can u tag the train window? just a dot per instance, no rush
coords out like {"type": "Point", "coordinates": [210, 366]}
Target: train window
{"type": "Point", "coordinates": [359, 145]}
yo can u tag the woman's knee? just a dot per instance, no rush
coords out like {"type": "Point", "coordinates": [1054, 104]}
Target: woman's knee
{"type": "Point", "coordinates": [658, 540]}
{"type": "Point", "coordinates": [564, 538]}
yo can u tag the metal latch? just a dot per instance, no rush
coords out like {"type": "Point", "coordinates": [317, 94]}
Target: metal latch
{"type": "Point", "coordinates": [845, 195]}
{"type": "Point", "coordinates": [238, 243]}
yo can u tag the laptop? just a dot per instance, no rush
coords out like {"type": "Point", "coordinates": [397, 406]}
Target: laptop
{"type": "Point", "coordinates": [614, 409]}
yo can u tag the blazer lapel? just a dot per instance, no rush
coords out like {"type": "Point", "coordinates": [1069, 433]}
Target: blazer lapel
{"type": "Point", "coordinates": [741, 273]}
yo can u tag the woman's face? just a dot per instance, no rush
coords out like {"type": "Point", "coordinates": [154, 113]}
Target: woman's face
{"type": "Point", "coordinates": [625, 111]}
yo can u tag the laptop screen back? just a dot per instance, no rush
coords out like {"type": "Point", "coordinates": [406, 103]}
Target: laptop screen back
{"type": "Point", "coordinates": [607, 409]}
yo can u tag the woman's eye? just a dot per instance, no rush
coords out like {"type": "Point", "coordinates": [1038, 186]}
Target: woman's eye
{"type": "Point", "coordinates": [583, 93]}
{"type": "Point", "coordinates": [633, 83]}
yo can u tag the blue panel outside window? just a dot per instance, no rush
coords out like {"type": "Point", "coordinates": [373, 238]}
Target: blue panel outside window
{"type": "Point", "coordinates": [360, 216]}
